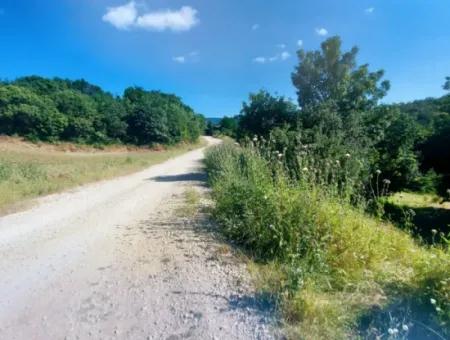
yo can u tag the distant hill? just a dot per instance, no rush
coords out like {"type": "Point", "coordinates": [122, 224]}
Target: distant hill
{"type": "Point", "coordinates": [214, 121]}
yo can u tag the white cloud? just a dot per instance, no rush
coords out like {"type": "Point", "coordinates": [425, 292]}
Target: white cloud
{"type": "Point", "coordinates": [181, 59]}
{"type": "Point", "coordinates": [260, 60]}
{"type": "Point", "coordinates": [127, 16]}
{"type": "Point", "coordinates": [121, 17]}
{"type": "Point", "coordinates": [190, 57]}
{"type": "Point", "coordinates": [182, 20]}
{"type": "Point", "coordinates": [321, 31]}
{"type": "Point", "coordinates": [285, 55]}
{"type": "Point", "coordinates": [300, 43]}
{"type": "Point", "coordinates": [282, 46]}
{"type": "Point", "coordinates": [279, 56]}
{"type": "Point", "coordinates": [369, 10]}
{"type": "Point", "coordinates": [255, 27]}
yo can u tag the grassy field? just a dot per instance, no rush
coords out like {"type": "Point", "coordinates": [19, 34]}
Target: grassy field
{"type": "Point", "coordinates": [336, 272]}
{"type": "Point", "coordinates": [30, 170]}
{"type": "Point", "coordinates": [425, 215]}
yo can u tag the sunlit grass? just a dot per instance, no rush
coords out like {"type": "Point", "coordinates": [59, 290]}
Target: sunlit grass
{"type": "Point", "coordinates": [417, 200]}
{"type": "Point", "coordinates": [191, 201]}
{"type": "Point", "coordinates": [27, 173]}
{"type": "Point", "coordinates": [335, 271]}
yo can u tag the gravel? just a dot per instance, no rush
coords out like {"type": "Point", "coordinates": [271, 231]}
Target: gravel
{"type": "Point", "coordinates": [114, 260]}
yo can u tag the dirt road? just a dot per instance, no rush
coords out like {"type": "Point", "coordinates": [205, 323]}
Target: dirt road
{"type": "Point", "coordinates": [112, 260]}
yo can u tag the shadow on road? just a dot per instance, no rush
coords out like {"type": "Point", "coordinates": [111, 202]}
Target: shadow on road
{"type": "Point", "coordinates": [189, 177]}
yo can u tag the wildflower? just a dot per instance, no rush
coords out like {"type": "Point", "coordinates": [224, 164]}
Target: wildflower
{"type": "Point", "coordinates": [265, 197]}
{"type": "Point", "coordinates": [337, 162]}
{"type": "Point", "coordinates": [386, 181]}
{"type": "Point", "coordinates": [392, 331]}
{"type": "Point", "coordinates": [433, 301]}
{"type": "Point", "coordinates": [236, 143]}
{"type": "Point", "coordinates": [280, 155]}
{"type": "Point", "coordinates": [405, 328]}
{"type": "Point", "coordinates": [438, 309]}
{"type": "Point", "coordinates": [347, 155]}
{"type": "Point", "coordinates": [305, 169]}
{"type": "Point", "coordinates": [378, 171]}
{"type": "Point", "coordinates": [434, 231]}
{"type": "Point", "coordinates": [255, 139]}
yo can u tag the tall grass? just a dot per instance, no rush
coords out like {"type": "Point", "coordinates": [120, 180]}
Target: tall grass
{"type": "Point", "coordinates": [27, 172]}
{"type": "Point", "coordinates": [336, 272]}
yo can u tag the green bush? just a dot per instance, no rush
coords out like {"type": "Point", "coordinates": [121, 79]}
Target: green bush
{"type": "Point", "coordinates": [337, 271]}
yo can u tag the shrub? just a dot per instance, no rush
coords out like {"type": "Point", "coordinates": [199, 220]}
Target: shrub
{"type": "Point", "coordinates": [336, 267]}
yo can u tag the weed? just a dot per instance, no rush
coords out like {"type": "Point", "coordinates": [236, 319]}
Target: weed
{"type": "Point", "coordinates": [336, 271]}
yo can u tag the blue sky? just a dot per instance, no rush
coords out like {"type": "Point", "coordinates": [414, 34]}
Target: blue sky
{"type": "Point", "coordinates": [212, 53]}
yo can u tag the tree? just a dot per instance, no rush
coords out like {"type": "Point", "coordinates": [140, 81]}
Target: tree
{"type": "Point", "coordinates": [447, 84]}
{"type": "Point", "coordinates": [395, 135]}
{"type": "Point", "coordinates": [63, 109]}
{"type": "Point", "coordinates": [147, 123]}
{"type": "Point", "coordinates": [24, 113]}
{"type": "Point", "coordinates": [228, 126]}
{"type": "Point", "coordinates": [330, 75]}
{"type": "Point", "coordinates": [81, 115]}
{"type": "Point", "coordinates": [265, 112]}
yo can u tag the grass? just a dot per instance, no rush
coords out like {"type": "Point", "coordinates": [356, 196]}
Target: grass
{"type": "Point", "coordinates": [335, 271]}
{"type": "Point", "coordinates": [191, 201]}
{"type": "Point", "coordinates": [417, 200]}
{"type": "Point", "coordinates": [425, 215]}
{"type": "Point", "coordinates": [28, 171]}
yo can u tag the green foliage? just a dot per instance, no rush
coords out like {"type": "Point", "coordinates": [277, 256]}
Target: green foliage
{"type": "Point", "coordinates": [447, 84]}
{"type": "Point", "coordinates": [24, 113]}
{"type": "Point", "coordinates": [61, 109]}
{"type": "Point", "coordinates": [337, 272]}
{"type": "Point", "coordinates": [339, 114]}
{"type": "Point", "coordinates": [330, 75]}
{"type": "Point", "coordinates": [265, 112]}
{"type": "Point", "coordinates": [228, 126]}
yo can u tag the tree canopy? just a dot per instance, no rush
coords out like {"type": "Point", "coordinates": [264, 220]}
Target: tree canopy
{"type": "Point", "coordinates": [60, 109]}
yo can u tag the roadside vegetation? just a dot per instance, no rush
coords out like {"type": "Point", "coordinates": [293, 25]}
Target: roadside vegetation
{"type": "Point", "coordinates": [307, 191]}
{"type": "Point", "coordinates": [29, 170]}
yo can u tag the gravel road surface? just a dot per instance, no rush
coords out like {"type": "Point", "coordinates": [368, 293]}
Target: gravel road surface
{"type": "Point", "coordinates": [114, 260]}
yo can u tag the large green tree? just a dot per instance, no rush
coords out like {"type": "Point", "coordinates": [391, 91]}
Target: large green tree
{"type": "Point", "coordinates": [331, 75]}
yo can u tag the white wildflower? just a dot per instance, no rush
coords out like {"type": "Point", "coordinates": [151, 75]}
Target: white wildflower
{"type": "Point", "coordinates": [405, 328]}
{"type": "Point", "coordinates": [433, 301]}
{"type": "Point", "coordinates": [434, 231]}
{"type": "Point", "coordinates": [305, 169]}
{"type": "Point", "coordinates": [438, 309]}
{"type": "Point", "coordinates": [378, 172]}
{"type": "Point", "coordinates": [347, 155]}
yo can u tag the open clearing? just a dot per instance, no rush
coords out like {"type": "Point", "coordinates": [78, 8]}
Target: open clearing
{"type": "Point", "coordinates": [114, 260]}
{"type": "Point", "coordinates": [29, 170]}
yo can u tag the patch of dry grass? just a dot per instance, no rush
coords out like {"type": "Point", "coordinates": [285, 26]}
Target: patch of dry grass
{"type": "Point", "coordinates": [28, 171]}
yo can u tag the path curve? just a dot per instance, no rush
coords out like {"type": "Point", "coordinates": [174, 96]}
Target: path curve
{"type": "Point", "coordinates": [111, 260]}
